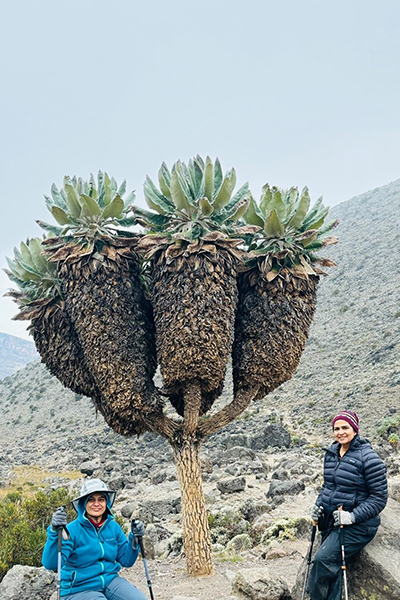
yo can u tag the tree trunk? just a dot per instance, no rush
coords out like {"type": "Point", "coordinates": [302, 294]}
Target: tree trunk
{"type": "Point", "coordinates": [196, 531]}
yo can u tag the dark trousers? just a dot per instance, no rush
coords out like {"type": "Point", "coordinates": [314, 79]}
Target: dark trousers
{"type": "Point", "coordinates": [325, 582]}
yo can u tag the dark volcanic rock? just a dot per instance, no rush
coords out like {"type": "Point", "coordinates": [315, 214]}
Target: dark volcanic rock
{"type": "Point", "coordinates": [228, 486]}
{"type": "Point", "coordinates": [273, 435]}
{"type": "Point", "coordinates": [281, 488]}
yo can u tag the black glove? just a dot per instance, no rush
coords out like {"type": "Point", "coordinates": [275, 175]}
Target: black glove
{"type": "Point", "coordinates": [317, 512]}
{"type": "Point", "coordinates": [138, 530]}
{"type": "Point", "coordinates": [59, 518]}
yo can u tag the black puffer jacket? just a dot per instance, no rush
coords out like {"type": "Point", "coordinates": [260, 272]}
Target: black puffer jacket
{"type": "Point", "coordinates": [357, 481]}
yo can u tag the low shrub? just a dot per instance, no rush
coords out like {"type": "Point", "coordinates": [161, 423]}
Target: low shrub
{"type": "Point", "coordinates": [23, 524]}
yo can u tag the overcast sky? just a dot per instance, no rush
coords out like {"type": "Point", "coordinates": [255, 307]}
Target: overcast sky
{"type": "Point", "coordinates": [291, 93]}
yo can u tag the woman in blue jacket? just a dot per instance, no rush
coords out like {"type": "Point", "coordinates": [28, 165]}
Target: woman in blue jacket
{"type": "Point", "coordinates": [96, 550]}
{"type": "Point", "coordinates": [355, 484]}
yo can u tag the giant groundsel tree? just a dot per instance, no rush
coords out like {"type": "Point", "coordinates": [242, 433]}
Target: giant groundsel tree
{"type": "Point", "coordinates": [212, 274]}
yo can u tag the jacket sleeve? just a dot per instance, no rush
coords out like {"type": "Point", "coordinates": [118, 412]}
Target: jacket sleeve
{"type": "Point", "coordinates": [50, 551]}
{"type": "Point", "coordinates": [376, 482]}
{"type": "Point", "coordinates": [127, 554]}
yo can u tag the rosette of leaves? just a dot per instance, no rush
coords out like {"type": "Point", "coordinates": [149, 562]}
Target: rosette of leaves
{"type": "Point", "coordinates": [192, 246]}
{"type": "Point", "coordinates": [99, 271]}
{"type": "Point", "coordinates": [40, 300]}
{"type": "Point", "coordinates": [277, 291]}
{"type": "Point", "coordinates": [87, 213]}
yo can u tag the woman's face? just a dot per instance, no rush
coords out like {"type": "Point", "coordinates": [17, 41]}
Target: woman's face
{"type": "Point", "coordinates": [343, 432]}
{"type": "Point", "coordinates": [96, 505]}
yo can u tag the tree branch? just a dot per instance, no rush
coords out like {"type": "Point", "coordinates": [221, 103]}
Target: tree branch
{"type": "Point", "coordinates": [228, 413]}
{"type": "Point", "coordinates": [162, 425]}
{"type": "Point", "coordinates": [192, 403]}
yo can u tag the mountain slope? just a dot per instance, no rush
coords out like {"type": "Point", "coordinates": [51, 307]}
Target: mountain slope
{"type": "Point", "coordinates": [352, 358]}
{"type": "Point", "coordinates": [15, 353]}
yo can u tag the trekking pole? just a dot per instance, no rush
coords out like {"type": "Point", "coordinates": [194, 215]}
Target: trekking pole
{"type": "Point", "coordinates": [313, 532]}
{"type": "Point", "coordinates": [62, 533]}
{"type": "Point", "coordinates": [344, 567]}
{"type": "Point", "coordinates": [59, 533]}
{"type": "Point", "coordinates": [140, 541]}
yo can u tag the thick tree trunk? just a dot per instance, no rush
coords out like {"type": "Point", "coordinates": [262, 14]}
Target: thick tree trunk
{"type": "Point", "coordinates": [196, 532]}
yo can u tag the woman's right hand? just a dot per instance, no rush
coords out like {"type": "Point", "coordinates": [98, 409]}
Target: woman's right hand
{"type": "Point", "coordinates": [59, 518]}
{"type": "Point", "coordinates": [317, 512]}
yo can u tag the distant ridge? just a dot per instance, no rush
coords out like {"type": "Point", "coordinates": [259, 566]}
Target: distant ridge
{"type": "Point", "coordinates": [15, 353]}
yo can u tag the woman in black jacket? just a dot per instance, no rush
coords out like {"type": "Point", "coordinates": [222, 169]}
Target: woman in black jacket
{"type": "Point", "coordinates": [354, 483]}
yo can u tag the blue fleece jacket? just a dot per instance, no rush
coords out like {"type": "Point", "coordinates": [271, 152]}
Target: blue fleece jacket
{"type": "Point", "coordinates": [92, 557]}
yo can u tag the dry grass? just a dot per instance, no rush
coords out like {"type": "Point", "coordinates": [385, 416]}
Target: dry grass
{"type": "Point", "coordinates": [29, 479]}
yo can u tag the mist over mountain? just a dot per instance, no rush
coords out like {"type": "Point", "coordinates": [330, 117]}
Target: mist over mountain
{"type": "Point", "coordinates": [15, 353]}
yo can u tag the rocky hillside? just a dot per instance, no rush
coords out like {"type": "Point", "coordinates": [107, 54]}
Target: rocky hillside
{"type": "Point", "coordinates": [15, 353]}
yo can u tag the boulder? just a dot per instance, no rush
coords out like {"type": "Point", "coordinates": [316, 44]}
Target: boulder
{"type": "Point", "coordinates": [237, 452]}
{"type": "Point", "coordinates": [394, 488]}
{"type": "Point", "coordinates": [260, 584]}
{"type": "Point", "coordinates": [127, 510]}
{"type": "Point", "coordinates": [273, 435]}
{"type": "Point", "coordinates": [281, 488]}
{"type": "Point", "coordinates": [375, 572]}
{"type": "Point", "coordinates": [151, 510]}
{"type": "Point", "coordinates": [89, 467]}
{"type": "Point", "coordinates": [27, 583]}
{"type": "Point", "coordinates": [234, 484]}
{"type": "Point", "coordinates": [174, 544]}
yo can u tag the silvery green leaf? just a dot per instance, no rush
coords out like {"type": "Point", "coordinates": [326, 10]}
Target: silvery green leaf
{"type": "Point", "coordinates": [205, 207]}
{"type": "Point", "coordinates": [165, 173]}
{"type": "Point", "coordinates": [129, 199]}
{"type": "Point", "coordinates": [100, 189]}
{"type": "Point", "coordinates": [153, 220]}
{"type": "Point", "coordinates": [51, 228]}
{"type": "Point", "coordinates": [60, 215]}
{"type": "Point", "coordinates": [163, 184]}
{"type": "Point", "coordinates": [90, 207]}
{"type": "Point", "coordinates": [36, 250]}
{"type": "Point", "coordinates": [57, 197]}
{"type": "Point", "coordinates": [301, 210]}
{"type": "Point", "coordinates": [114, 208]}
{"type": "Point", "coordinates": [178, 195]}
{"type": "Point", "coordinates": [180, 171]}
{"type": "Point", "coordinates": [198, 177]}
{"type": "Point", "coordinates": [317, 220]}
{"type": "Point", "coordinates": [73, 203]}
{"type": "Point", "coordinates": [155, 200]}
{"type": "Point", "coordinates": [241, 208]}
{"type": "Point", "coordinates": [107, 190]}
{"type": "Point", "coordinates": [226, 190]}
{"type": "Point", "coordinates": [253, 215]}
{"type": "Point", "coordinates": [318, 207]}
{"type": "Point", "coordinates": [25, 252]}
{"type": "Point", "coordinates": [208, 176]}
{"type": "Point", "coordinates": [277, 205]}
{"type": "Point", "coordinates": [200, 161]}
{"type": "Point", "coordinates": [273, 227]}
{"type": "Point", "coordinates": [217, 176]}
{"type": "Point", "coordinates": [265, 199]}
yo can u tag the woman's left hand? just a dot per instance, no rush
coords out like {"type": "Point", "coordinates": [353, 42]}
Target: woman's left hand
{"type": "Point", "coordinates": [343, 517]}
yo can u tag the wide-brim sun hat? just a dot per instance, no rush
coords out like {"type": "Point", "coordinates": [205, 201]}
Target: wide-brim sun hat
{"type": "Point", "coordinates": [91, 486]}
